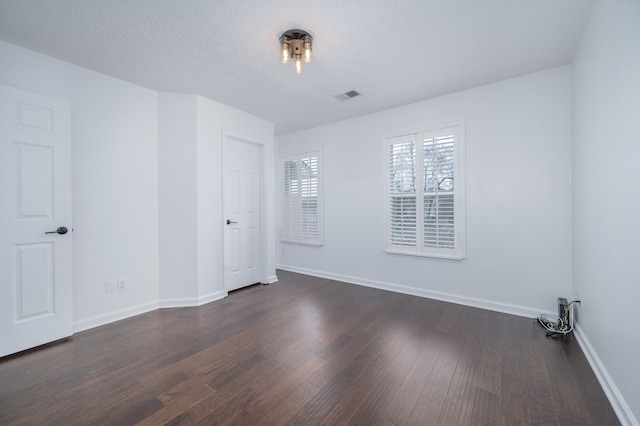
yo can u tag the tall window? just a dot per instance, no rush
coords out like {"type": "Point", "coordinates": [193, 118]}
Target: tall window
{"type": "Point", "coordinates": [301, 199]}
{"type": "Point", "coordinates": [425, 193]}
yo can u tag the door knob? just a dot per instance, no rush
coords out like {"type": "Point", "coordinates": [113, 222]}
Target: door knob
{"type": "Point", "coordinates": [62, 230]}
{"type": "Point", "coordinates": [229, 222]}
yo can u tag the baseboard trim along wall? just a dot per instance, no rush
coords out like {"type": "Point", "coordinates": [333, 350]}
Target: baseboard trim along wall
{"type": "Point", "coordinates": [521, 311]}
{"type": "Point", "coordinates": [190, 302]}
{"type": "Point", "coordinates": [114, 316]}
{"type": "Point", "coordinates": [144, 308]}
{"type": "Point", "coordinates": [618, 403]}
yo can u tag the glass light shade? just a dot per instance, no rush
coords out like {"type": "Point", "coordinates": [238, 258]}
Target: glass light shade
{"type": "Point", "coordinates": [298, 64]}
{"type": "Point", "coordinates": [307, 51]}
{"type": "Point", "coordinates": [285, 53]}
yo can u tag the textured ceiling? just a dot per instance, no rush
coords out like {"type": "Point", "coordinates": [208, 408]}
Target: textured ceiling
{"type": "Point", "coordinates": [393, 52]}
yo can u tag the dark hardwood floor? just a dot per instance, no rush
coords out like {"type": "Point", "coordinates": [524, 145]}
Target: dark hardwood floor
{"type": "Point", "coordinates": [307, 351]}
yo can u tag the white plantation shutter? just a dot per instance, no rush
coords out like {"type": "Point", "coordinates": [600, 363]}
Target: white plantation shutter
{"type": "Point", "coordinates": [438, 163]}
{"type": "Point", "coordinates": [290, 200]}
{"type": "Point", "coordinates": [301, 221]}
{"type": "Point", "coordinates": [403, 219]}
{"type": "Point", "coordinates": [439, 221]}
{"type": "Point", "coordinates": [309, 229]}
{"type": "Point", "coordinates": [402, 191]}
{"type": "Point", "coordinates": [425, 198]}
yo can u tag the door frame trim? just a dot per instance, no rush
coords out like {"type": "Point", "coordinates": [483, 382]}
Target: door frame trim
{"type": "Point", "coordinates": [264, 275]}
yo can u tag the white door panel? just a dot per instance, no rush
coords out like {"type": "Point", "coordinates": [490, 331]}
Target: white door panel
{"type": "Point", "coordinates": [35, 197]}
{"type": "Point", "coordinates": [242, 213]}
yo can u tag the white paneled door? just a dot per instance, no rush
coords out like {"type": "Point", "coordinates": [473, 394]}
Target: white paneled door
{"type": "Point", "coordinates": [35, 220]}
{"type": "Point", "coordinates": [242, 235]}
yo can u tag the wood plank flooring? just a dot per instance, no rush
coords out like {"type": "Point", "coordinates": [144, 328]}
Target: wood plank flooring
{"type": "Point", "coordinates": [307, 351]}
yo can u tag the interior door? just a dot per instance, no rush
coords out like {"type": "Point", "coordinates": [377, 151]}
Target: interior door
{"type": "Point", "coordinates": [242, 235]}
{"type": "Point", "coordinates": [36, 304]}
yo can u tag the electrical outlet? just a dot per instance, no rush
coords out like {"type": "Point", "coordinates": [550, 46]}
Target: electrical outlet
{"type": "Point", "coordinates": [122, 284]}
{"type": "Point", "coordinates": [110, 286]}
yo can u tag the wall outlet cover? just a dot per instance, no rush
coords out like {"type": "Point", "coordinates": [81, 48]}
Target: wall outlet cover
{"type": "Point", "coordinates": [122, 285]}
{"type": "Point", "coordinates": [110, 286]}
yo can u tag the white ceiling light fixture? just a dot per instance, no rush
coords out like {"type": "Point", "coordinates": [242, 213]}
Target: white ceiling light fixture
{"type": "Point", "coordinates": [296, 45]}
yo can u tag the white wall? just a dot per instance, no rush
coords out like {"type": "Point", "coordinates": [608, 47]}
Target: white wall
{"type": "Point", "coordinates": [147, 187]}
{"type": "Point", "coordinates": [191, 187]}
{"type": "Point", "coordinates": [518, 140]}
{"type": "Point", "coordinates": [115, 184]}
{"type": "Point", "coordinates": [214, 120]}
{"type": "Point", "coordinates": [178, 197]}
{"type": "Point", "coordinates": [606, 197]}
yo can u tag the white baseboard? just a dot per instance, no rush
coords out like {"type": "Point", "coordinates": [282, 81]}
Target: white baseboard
{"type": "Point", "coordinates": [212, 297]}
{"type": "Point", "coordinates": [147, 307]}
{"type": "Point", "coordinates": [190, 302]}
{"type": "Point", "coordinates": [618, 403]}
{"type": "Point", "coordinates": [113, 316]}
{"type": "Point", "coordinates": [522, 311]}
{"type": "Point", "coordinates": [272, 279]}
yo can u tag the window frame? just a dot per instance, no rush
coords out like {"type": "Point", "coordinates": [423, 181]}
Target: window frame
{"type": "Point", "coordinates": [300, 238]}
{"type": "Point", "coordinates": [458, 252]}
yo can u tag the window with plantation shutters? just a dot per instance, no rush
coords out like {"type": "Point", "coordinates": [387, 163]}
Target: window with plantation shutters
{"type": "Point", "coordinates": [425, 193]}
{"type": "Point", "coordinates": [301, 221]}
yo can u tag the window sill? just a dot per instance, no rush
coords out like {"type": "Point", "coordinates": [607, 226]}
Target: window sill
{"type": "Point", "coordinates": [431, 255]}
{"type": "Point", "coordinates": [301, 243]}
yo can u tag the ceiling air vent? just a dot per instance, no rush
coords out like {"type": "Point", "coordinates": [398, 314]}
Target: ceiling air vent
{"type": "Point", "coordinates": [348, 95]}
